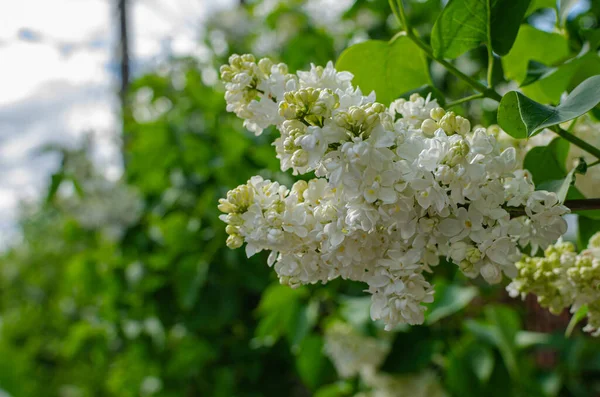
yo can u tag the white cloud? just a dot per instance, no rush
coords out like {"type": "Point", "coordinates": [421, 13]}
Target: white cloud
{"type": "Point", "coordinates": [58, 82]}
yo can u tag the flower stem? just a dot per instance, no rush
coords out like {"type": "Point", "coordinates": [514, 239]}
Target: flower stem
{"type": "Point", "coordinates": [594, 151]}
{"type": "Point", "coordinates": [573, 205]}
{"type": "Point", "coordinates": [401, 16]}
{"type": "Point", "coordinates": [583, 204]}
{"type": "Point", "coordinates": [490, 68]}
{"type": "Point", "coordinates": [465, 99]}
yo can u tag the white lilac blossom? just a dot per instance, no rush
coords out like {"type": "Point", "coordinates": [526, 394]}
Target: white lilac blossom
{"type": "Point", "coordinates": [563, 278]}
{"type": "Point", "coordinates": [355, 354]}
{"type": "Point", "coordinates": [421, 384]}
{"type": "Point", "coordinates": [584, 128]}
{"type": "Point", "coordinates": [396, 188]}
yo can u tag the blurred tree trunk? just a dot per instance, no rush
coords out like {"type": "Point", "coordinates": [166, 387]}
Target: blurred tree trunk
{"type": "Point", "coordinates": [123, 54]}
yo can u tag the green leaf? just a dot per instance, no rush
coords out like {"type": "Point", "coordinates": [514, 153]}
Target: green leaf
{"type": "Point", "coordinates": [577, 317]}
{"type": "Point", "coordinates": [522, 117]}
{"type": "Point", "coordinates": [537, 4]}
{"type": "Point", "coordinates": [536, 71]}
{"type": "Point", "coordinates": [338, 389]}
{"type": "Point", "coordinates": [307, 318]}
{"type": "Point", "coordinates": [470, 365]}
{"type": "Point", "coordinates": [562, 186]}
{"type": "Point", "coordinates": [417, 347]}
{"type": "Point", "coordinates": [564, 77]}
{"type": "Point", "coordinates": [56, 180]}
{"type": "Point", "coordinates": [388, 68]}
{"type": "Point", "coordinates": [466, 24]}
{"type": "Point", "coordinates": [190, 276]}
{"type": "Point", "coordinates": [506, 324]}
{"type": "Point", "coordinates": [279, 312]}
{"type": "Point", "coordinates": [546, 163]}
{"type": "Point", "coordinates": [310, 361]}
{"type": "Point", "coordinates": [533, 44]}
{"type": "Point", "coordinates": [506, 19]}
{"type": "Point", "coordinates": [482, 361]}
{"type": "Point", "coordinates": [559, 186]}
{"type": "Point", "coordinates": [449, 299]}
{"type": "Point", "coordinates": [527, 339]}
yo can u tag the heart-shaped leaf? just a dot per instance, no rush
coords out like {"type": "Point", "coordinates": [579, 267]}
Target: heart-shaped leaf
{"type": "Point", "coordinates": [388, 68]}
{"type": "Point", "coordinates": [533, 44]}
{"type": "Point", "coordinates": [466, 24]}
{"type": "Point", "coordinates": [522, 117]}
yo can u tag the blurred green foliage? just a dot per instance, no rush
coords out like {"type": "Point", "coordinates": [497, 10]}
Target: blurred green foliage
{"type": "Point", "coordinates": [161, 306]}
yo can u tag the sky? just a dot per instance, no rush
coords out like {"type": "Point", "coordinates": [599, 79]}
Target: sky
{"type": "Point", "coordinates": [58, 81]}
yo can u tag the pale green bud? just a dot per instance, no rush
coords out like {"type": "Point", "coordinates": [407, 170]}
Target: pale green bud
{"type": "Point", "coordinates": [226, 207]}
{"type": "Point", "coordinates": [437, 113]}
{"type": "Point", "coordinates": [595, 241]}
{"type": "Point", "coordinates": [473, 254]}
{"type": "Point", "coordinates": [265, 65]}
{"type": "Point", "coordinates": [241, 197]}
{"type": "Point", "coordinates": [429, 127]}
{"type": "Point", "coordinates": [234, 241]}
{"type": "Point", "coordinates": [299, 187]}
{"type": "Point", "coordinates": [463, 126]}
{"type": "Point", "coordinates": [234, 219]}
{"type": "Point", "coordinates": [230, 229]}
{"type": "Point", "coordinates": [467, 268]}
{"type": "Point", "coordinates": [300, 158]}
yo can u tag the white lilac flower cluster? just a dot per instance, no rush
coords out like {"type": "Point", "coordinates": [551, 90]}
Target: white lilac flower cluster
{"type": "Point", "coordinates": [354, 354]}
{"type": "Point", "coordinates": [396, 188]}
{"type": "Point", "coordinates": [584, 128]}
{"type": "Point", "coordinates": [563, 278]}
{"type": "Point", "coordinates": [351, 352]}
{"type": "Point", "coordinates": [96, 202]}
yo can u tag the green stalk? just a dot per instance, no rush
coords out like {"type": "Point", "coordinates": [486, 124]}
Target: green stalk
{"type": "Point", "coordinates": [465, 99]}
{"type": "Point", "coordinates": [594, 151]}
{"type": "Point", "coordinates": [401, 16]}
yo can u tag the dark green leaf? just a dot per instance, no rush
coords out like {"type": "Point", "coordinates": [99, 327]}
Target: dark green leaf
{"type": "Point", "coordinates": [482, 361]}
{"type": "Point", "coordinates": [505, 22]}
{"type": "Point", "coordinates": [310, 361]}
{"type": "Point", "coordinates": [56, 180]}
{"type": "Point", "coordinates": [388, 68]}
{"type": "Point", "coordinates": [546, 163]}
{"type": "Point", "coordinates": [466, 24]}
{"type": "Point", "coordinates": [527, 339]}
{"type": "Point", "coordinates": [417, 347]}
{"type": "Point", "coordinates": [506, 325]}
{"type": "Point", "coordinates": [522, 117]}
{"type": "Point", "coordinates": [190, 276]}
{"type": "Point", "coordinates": [307, 318]}
{"type": "Point", "coordinates": [559, 186]}
{"type": "Point", "coordinates": [533, 44]}
{"type": "Point", "coordinates": [564, 77]}
{"type": "Point", "coordinates": [338, 389]}
{"type": "Point", "coordinates": [535, 71]}
{"type": "Point", "coordinates": [449, 299]}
